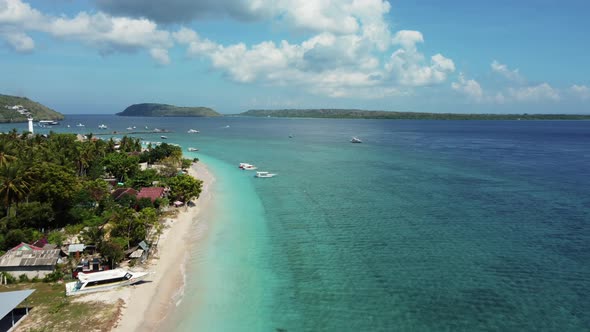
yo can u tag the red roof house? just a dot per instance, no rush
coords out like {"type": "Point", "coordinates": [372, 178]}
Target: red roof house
{"type": "Point", "coordinates": [152, 193]}
{"type": "Point", "coordinates": [24, 246]}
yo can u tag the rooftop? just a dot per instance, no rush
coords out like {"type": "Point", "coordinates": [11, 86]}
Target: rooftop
{"type": "Point", "coordinates": [30, 258]}
{"type": "Point", "coordinates": [152, 193]}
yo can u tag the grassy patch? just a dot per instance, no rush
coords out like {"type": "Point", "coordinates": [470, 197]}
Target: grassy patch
{"type": "Point", "coordinates": [51, 310]}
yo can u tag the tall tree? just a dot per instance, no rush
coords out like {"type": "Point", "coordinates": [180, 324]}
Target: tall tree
{"type": "Point", "coordinates": [121, 165]}
{"type": "Point", "coordinates": [185, 187]}
{"type": "Point", "coordinates": [15, 184]}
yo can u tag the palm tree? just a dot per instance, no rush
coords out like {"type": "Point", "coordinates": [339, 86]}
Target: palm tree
{"type": "Point", "coordinates": [14, 184]}
{"type": "Point", "coordinates": [85, 154]}
{"type": "Point", "coordinates": [6, 152]}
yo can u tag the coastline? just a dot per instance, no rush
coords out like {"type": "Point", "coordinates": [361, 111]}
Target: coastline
{"type": "Point", "coordinates": [148, 304]}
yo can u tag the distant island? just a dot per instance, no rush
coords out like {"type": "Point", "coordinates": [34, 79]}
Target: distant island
{"type": "Point", "coordinates": [18, 109]}
{"type": "Point", "coordinates": [363, 114]}
{"type": "Point", "coordinates": [165, 110]}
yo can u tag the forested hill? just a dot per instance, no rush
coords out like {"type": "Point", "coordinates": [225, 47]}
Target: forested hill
{"type": "Point", "coordinates": [10, 112]}
{"type": "Point", "coordinates": [362, 114]}
{"type": "Point", "coordinates": [167, 110]}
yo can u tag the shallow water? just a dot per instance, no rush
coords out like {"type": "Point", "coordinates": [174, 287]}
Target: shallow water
{"type": "Point", "coordinates": [427, 225]}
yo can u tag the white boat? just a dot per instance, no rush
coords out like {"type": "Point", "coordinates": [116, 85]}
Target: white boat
{"type": "Point", "coordinates": [355, 140]}
{"type": "Point", "coordinates": [163, 137]}
{"type": "Point", "coordinates": [129, 128]}
{"type": "Point", "coordinates": [264, 175]}
{"type": "Point", "coordinates": [192, 131]}
{"type": "Point", "coordinates": [247, 167]}
{"type": "Point", "coordinates": [48, 122]}
{"type": "Point", "coordinates": [102, 281]}
{"type": "Point", "coordinates": [80, 125]}
{"type": "Point", "coordinates": [68, 126]}
{"type": "Point", "coordinates": [193, 149]}
{"type": "Point", "coordinates": [102, 126]}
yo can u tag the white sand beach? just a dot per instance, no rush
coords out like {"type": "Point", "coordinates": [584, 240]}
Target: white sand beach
{"type": "Point", "coordinates": [147, 304]}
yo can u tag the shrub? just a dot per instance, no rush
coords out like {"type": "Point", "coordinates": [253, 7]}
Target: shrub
{"type": "Point", "coordinates": [144, 202]}
{"type": "Point", "coordinates": [56, 237]}
{"type": "Point", "coordinates": [54, 276]}
{"type": "Point", "coordinates": [23, 278]}
{"type": "Point", "coordinates": [9, 278]}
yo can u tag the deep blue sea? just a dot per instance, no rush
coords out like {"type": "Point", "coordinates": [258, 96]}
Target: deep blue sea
{"type": "Point", "coordinates": [425, 226]}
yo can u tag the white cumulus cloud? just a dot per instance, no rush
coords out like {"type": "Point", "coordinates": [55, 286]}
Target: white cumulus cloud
{"type": "Point", "coordinates": [19, 41]}
{"type": "Point", "coordinates": [502, 69]}
{"type": "Point", "coordinates": [580, 91]}
{"type": "Point", "coordinates": [468, 87]}
{"type": "Point", "coordinates": [536, 93]}
{"type": "Point", "coordinates": [345, 51]}
{"type": "Point", "coordinates": [160, 55]}
{"type": "Point", "coordinates": [408, 66]}
{"type": "Point", "coordinates": [99, 30]}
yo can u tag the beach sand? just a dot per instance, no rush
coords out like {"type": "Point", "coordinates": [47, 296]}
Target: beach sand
{"type": "Point", "coordinates": [147, 304]}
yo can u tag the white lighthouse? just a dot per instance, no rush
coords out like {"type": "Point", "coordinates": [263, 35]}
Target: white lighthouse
{"type": "Point", "coordinates": [30, 125]}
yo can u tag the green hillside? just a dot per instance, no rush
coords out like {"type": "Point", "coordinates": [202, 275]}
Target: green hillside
{"type": "Point", "coordinates": [362, 114]}
{"type": "Point", "coordinates": [159, 110]}
{"type": "Point", "coordinates": [36, 110]}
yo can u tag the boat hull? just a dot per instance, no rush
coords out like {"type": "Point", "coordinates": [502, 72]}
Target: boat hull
{"type": "Point", "coordinates": [71, 286]}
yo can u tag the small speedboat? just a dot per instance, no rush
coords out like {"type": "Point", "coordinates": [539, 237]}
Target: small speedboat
{"type": "Point", "coordinates": [264, 175]}
{"type": "Point", "coordinates": [192, 131]}
{"type": "Point", "coordinates": [129, 128]}
{"type": "Point", "coordinates": [192, 149]}
{"type": "Point", "coordinates": [80, 125]}
{"type": "Point", "coordinates": [102, 126]}
{"type": "Point", "coordinates": [247, 167]}
{"type": "Point", "coordinates": [103, 280]}
{"type": "Point", "coordinates": [355, 140]}
{"type": "Point", "coordinates": [163, 137]}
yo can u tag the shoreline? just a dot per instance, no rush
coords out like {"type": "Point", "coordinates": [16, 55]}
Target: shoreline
{"type": "Point", "coordinates": [148, 304]}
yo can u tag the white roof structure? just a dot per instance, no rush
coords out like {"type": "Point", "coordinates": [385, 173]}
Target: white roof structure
{"type": "Point", "coordinates": [77, 247]}
{"type": "Point", "coordinates": [10, 300]}
{"type": "Point", "coordinates": [136, 254]}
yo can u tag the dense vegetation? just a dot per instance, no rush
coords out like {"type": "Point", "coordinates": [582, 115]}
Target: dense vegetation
{"type": "Point", "coordinates": [38, 111]}
{"type": "Point", "coordinates": [167, 110]}
{"type": "Point", "coordinates": [362, 114]}
{"type": "Point", "coordinates": [54, 187]}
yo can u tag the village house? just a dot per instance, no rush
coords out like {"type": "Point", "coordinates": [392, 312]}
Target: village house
{"type": "Point", "coordinates": [152, 193]}
{"type": "Point", "coordinates": [29, 260]}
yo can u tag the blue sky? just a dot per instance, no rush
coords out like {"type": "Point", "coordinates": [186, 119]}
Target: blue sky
{"type": "Point", "coordinates": [99, 56]}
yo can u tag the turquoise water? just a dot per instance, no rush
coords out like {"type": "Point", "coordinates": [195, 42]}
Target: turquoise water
{"type": "Point", "coordinates": [426, 226]}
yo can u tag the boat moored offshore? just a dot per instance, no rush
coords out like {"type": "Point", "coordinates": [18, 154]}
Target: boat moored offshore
{"type": "Point", "coordinates": [48, 123]}
{"type": "Point", "coordinates": [247, 167]}
{"type": "Point", "coordinates": [264, 175]}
